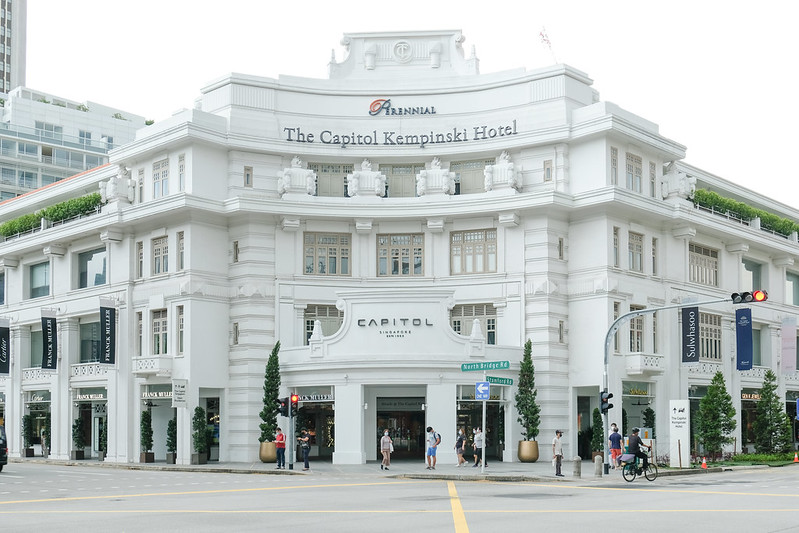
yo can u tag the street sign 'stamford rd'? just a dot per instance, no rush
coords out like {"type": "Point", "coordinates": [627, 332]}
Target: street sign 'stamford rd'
{"type": "Point", "coordinates": [499, 381]}
{"type": "Point", "coordinates": [485, 365]}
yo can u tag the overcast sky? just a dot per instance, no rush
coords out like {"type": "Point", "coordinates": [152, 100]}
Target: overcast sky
{"type": "Point", "coordinates": [718, 77]}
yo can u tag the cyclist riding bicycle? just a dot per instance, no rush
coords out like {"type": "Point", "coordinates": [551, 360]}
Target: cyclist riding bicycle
{"type": "Point", "coordinates": [634, 444]}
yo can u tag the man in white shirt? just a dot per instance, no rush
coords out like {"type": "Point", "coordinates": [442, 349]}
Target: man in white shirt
{"type": "Point", "coordinates": [557, 452]}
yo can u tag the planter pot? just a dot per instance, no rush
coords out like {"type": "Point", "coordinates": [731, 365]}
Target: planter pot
{"type": "Point", "coordinates": [171, 458]}
{"type": "Point", "coordinates": [76, 455]}
{"type": "Point", "coordinates": [28, 452]}
{"type": "Point", "coordinates": [147, 457]}
{"type": "Point", "coordinates": [199, 458]}
{"type": "Point", "coordinates": [528, 451]}
{"type": "Point", "coordinates": [267, 453]}
{"type": "Point", "coordinates": [595, 454]}
{"type": "Point", "coordinates": [101, 455]}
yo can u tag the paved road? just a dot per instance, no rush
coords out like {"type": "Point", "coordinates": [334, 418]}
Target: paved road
{"type": "Point", "coordinates": [88, 498]}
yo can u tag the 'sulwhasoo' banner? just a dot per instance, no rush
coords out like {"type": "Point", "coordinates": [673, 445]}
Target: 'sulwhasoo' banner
{"type": "Point", "coordinates": [49, 340]}
{"type": "Point", "coordinates": [108, 335]}
{"type": "Point", "coordinates": [690, 335]}
{"type": "Point", "coordinates": [5, 346]}
{"type": "Point", "coordinates": [743, 338]}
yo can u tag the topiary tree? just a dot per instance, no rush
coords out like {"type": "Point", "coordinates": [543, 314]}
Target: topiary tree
{"type": "Point", "coordinates": [172, 435]}
{"type": "Point", "coordinates": [199, 426]}
{"type": "Point", "coordinates": [27, 431]}
{"type": "Point", "coordinates": [716, 417]}
{"type": "Point", "coordinates": [78, 436]}
{"type": "Point", "coordinates": [146, 427]}
{"type": "Point", "coordinates": [271, 390]}
{"type": "Point", "coordinates": [772, 426]}
{"type": "Point", "coordinates": [529, 411]}
{"type": "Point", "coordinates": [598, 432]}
{"type": "Point", "coordinates": [104, 437]}
{"type": "Point", "coordinates": [649, 419]}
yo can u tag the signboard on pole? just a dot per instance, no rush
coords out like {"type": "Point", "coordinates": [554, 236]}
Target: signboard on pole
{"type": "Point", "coordinates": [690, 335]}
{"type": "Point", "coordinates": [499, 381]}
{"type": "Point", "coordinates": [482, 390]}
{"type": "Point", "coordinates": [680, 426]}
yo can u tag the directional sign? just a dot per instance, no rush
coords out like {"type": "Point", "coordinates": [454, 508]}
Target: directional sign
{"type": "Point", "coordinates": [499, 381]}
{"type": "Point", "coordinates": [481, 390]}
{"type": "Point", "coordinates": [485, 365]}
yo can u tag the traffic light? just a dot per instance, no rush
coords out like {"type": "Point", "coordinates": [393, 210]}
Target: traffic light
{"type": "Point", "coordinates": [295, 400]}
{"type": "Point", "coordinates": [283, 406]}
{"type": "Point", "coordinates": [604, 401]}
{"type": "Point", "coordinates": [756, 296]}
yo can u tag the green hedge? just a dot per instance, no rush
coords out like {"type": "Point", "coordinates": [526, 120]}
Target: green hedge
{"type": "Point", "coordinates": [768, 221]}
{"type": "Point", "coordinates": [54, 213]}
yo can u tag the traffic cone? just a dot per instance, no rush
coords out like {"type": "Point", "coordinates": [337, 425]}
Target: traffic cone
{"type": "Point", "coordinates": [704, 463]}
{"type": "Point", "coordinates": [795, 457]}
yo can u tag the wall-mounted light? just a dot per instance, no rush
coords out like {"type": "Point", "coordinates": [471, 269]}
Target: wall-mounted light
{"type": "Point", "coordinates": [365, 406]}
{"type": "Point", "coordinates": [424, 406]}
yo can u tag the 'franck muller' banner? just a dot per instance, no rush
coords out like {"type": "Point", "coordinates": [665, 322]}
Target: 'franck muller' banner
{"type": "Point", "coordinates": [49, 340]}
{"type": "Point", "coordinates": [690, 335]}
{"type": "Point", "coordinates": [743, 337]}
{"type": "Point", "coordinates": [5, 350]}
{"type": "Point", "coordinates": [108, 335]}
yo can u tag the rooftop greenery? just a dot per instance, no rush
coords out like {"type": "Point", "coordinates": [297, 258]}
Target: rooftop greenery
{"type": "Point", "coordinates": [54, 213]}
{"type": "Point", "coordinates": [768, 221]}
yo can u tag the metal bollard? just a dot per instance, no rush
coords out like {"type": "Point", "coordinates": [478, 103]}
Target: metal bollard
{"type": "Point", "coordinates": [598, 466]}
{"type": "Point", "coordinates": [578, 466]}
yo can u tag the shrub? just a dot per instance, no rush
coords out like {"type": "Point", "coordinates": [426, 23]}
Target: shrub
{"type": "Point", "coordinates": [172, 435]}
{"type": "Point", "coordinates": [146, 431]}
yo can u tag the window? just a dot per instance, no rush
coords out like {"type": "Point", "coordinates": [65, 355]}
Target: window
{"type": "Point", "coordinates": [140, 186]}
{"type": "Point", "coordinates": [792, 289]}
{"type": "Point", "coordinates": [329, 316]}
{"type": "Point", "coordinates": [161, 178]}
{"type": "Point", "coordinates": [90, 342]}
{"type": "Point", "coordinates": [473, 251]}
{"type": "Point", "coordinates": [92, 268]}
{"type": "Point", "coordinates": [548, 170]}
{"type": "Point", "coordinates": [331, 180]}
{"type": "Point", "coordinates": [401, 179]}
{"type": "Point", "coordinates": [160, 256]}
{"type": "Point", "coordinates": [181, 252]}
{"type": "Point", "coordinates": [159, 327]}
{"type": "Point", "coordinates": [636, 331]}
{"type": "Point", "coordinates": [180, 329]}
{"type": "Point", "coordinates": [2, 288]}
{"type": "Point", "coordinates": [616, 247]}
{"type": "Point", "coordinates": [181, 173]}
{"type": "Point", "coordinates": [85, 137]}
{"type": "Point", "coordinates": [710, 337]}
{"type": "Point", "coordinates": [463, 316]}
{"type": "Point", "coordinates": [470, 175]}
{"type": "Point", "coordinates": [652, 179]}
{"type": "Point", "coordinates": [655, 332]}
{"type": "Point", "coordinates": [561, 248]}
{"type": "Point", "coordinates": [635, 251]}
{"type": "Point", "coordinates": [27, 179]}
{"type": "Point", "coordinates": [139, 259]}
{"type": "Point", "coordinates": [654, 256]}
{"type": "Point", "coordinates": [139, 334]}
{"type": "Point", "coordinates": [235, 251]}
{"type": "Point", "coordinates": [400, 254]}
{"type": "Point", "coordinates": [327, 254]}
{"type": "Point", "coordinates": [616, 314]}
{"type": "Point", "coordinates": [751, 275]}
{"type": "Point", "coordinates": [37, 347]}
{"type": "Point", "coordinates": [50, 131]}
{"type": "Point", "coordinates": [634, 171]}
{"type": "Point", "coordinates": [703, 265]}
{"type": "Point", "coordinates": [248, 176]}
{"type": "Point", "coordinates": [757, 358]}
{"type": "Point", "coordinates": [561, 332]}
{"type": "Point", "coordinates": [614, 165]}
{"type": "Point", "coordinates": [40, 279]}
{"type": "Point", "coordinates": [235, 333]}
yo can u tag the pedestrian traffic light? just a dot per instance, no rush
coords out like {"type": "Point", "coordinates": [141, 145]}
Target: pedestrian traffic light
{"type": "Point", "coordinates": [757, 295]}
{"type": "Point", "coordinates": [283, 406]}
{"type": "Point", "coordinates": [295, 400]}
{"type": "Point", "coordinates": [604, 401]}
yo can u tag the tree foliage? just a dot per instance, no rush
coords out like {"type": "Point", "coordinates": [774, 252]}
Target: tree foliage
{"type": "Point", "coordinates": [172, 435]}
{"type": "Point", "coordinates": [716, 417]}
{"type": "Point", "coordinates": [772, 426]}
{"type": "Point", "coordinates": [27, 431]}
{"type": "Point", "coordinates": [728, 206]}
{"type": "Point", "coordinates": [649, 420]}
{"type": "Point", "coordinates": [271, 390]}
{"type": "Point", "coordinates": [529, 411]}
{"type": "Point", "coordinates": [78, 435]}
{"type": "Point", "coordinates": [146, 427]}
{"type": "Point", "coordinates": [598, 432]}
{"type": "Point", "coordinates": [200, 431]}
{"type": "Point", "coordinates": [54, 213]}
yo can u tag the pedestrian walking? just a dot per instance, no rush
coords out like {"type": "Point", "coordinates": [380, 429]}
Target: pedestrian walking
{"type": "Point", "coordinates": [433, 440]}
{"type": "Point", "coordinates": [305, 444]}
{"type": "Point", "coordinates": [460, 442]}
{"type": "Point", "coordinates": [615, 446]}
{"type": "Point", "coordinates": [280, 448]}
{"type": "Point", "coordinates": [557, 453]}
{"type": "Point", "coordinates": [386, 447]}
{"type": "Point", "coordinates": [478, 445]}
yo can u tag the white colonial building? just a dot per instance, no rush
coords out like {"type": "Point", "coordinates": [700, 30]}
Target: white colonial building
{"type": "Point", "coordinates": [387, 225]}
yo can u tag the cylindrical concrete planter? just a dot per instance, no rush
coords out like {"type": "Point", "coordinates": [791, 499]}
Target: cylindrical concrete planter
{"type": "Point", "coordinates": [267, 452]}
{"type": "Point", "coordinates": [528, 451]}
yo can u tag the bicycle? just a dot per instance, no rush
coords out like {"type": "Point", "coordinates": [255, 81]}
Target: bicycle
{"type": "Point", "coordinates": [630, 468]}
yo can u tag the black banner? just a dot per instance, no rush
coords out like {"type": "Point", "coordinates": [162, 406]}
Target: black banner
{"type": "Point", "coordinates": [690, 335]}
{"type": "Point", "coordinates": [108, 335]}
{"type": "Point", "coordinates": [743, 338]}
{"type": "Point", "coordinates": [49, 343]}
{"type": "Point", "coordinates": [5, 351]}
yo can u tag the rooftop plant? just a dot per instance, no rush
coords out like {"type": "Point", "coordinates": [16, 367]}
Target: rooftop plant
{"type": "Point", "coordinates": [54, 213]}
{"type": "Point", "coordinates": [768, 221]}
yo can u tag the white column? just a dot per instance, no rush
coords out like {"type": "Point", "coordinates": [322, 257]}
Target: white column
{"type": "Point", "coordinates": [349, 425]}
{"type": "Point", "coordinates": [441, 413]}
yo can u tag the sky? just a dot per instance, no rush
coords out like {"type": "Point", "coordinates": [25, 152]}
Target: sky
{"type": "Point", "coordinates": [716, 76]}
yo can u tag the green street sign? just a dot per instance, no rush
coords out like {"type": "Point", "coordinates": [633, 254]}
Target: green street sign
{"type": "Point", "coordinates": [485, 365]}
{"type": "Point", "coordinates": [499, 381]}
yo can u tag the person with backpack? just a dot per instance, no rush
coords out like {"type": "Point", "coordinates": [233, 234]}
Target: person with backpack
{"type": "Point", "coordinates": [479, 442]}
{"type": "Point", "coordinates": [433, 440]}
{"type": "Point", "coordinates": [305, 444]}
{"type": "Point", "coordinates": [460, 442]}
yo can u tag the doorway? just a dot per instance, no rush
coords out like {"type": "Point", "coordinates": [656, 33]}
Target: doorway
{"type": "Point", "coordinates": [405, 423]}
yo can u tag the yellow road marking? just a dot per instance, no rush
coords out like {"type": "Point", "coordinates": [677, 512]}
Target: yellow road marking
{"type": "Point", "coordinates": [457, 509]}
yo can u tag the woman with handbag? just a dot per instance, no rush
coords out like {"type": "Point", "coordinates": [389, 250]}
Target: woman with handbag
{"type": "Point", "coordinates": [386, 447]}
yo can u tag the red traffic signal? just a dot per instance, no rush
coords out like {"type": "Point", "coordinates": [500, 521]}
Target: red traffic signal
{"type": "Point", "coordinates": [295, 400]}
{"type": "Point", "coordinates": [757, 295]}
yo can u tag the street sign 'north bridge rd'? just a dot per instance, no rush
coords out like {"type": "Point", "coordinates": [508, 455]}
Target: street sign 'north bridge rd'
{"type": "Point", "coordinates": [485, 365]}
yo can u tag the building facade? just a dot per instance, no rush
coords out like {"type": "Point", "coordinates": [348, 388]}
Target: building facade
{"type": "Point", "coordinates": [13, 43]}
{"type": "Point", "coordinates": [394, 226]}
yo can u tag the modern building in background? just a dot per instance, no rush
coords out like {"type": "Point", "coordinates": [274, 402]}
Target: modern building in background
{"type": "Point", "coordinates": [394, 226]}
{"type": "Point", "coordinates": [13, 43]}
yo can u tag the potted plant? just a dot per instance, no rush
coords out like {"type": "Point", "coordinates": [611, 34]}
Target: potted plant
{"type": "Point", "coordinates": [146, 428]}
{"type": "Point", "coordinates": [28, 435]}
{"type": "Point", "coordinates": [78, 440]}
{"type": "Point", "coordinates": [529, 411]}
{"type": "Point", "coordinates": [597, 434]}
{"type": "Point", "coordinates": [267, 452]}
{"type": "Point", "coordinates": [171, 441]}
{"type": "Point", "coordinates": [46, 443]}
{"type": "Point", "coordinates": [103, 441]}
{"type": "Point", "coordinates": [199, 437]}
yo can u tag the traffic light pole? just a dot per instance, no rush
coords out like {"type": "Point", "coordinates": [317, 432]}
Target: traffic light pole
{"type": "Point", "coordinates": [614, 327]}
{"type": "Point", "coordinates": [292, 444]}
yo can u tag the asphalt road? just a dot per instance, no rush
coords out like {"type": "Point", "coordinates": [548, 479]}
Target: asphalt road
{"type": "Point", "coordinates": [38, 497]}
